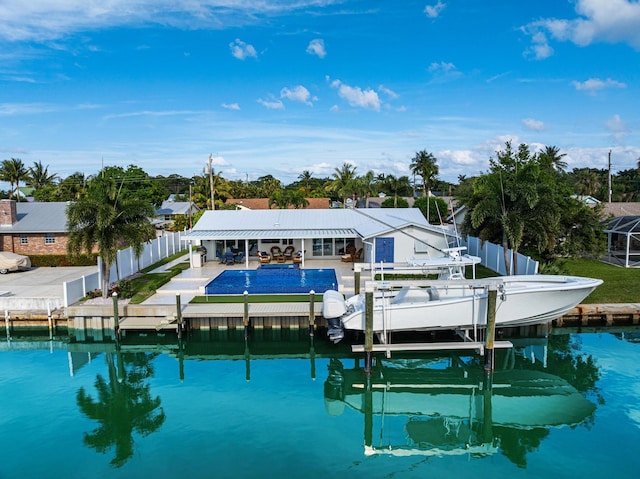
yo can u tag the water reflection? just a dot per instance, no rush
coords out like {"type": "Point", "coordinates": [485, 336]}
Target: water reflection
{"type": "Point", "coordinates": [123, 405]}
{"type": "Point", "coordinates": [448, 405]}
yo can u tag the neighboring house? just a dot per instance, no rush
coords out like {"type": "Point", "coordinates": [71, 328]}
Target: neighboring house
{"type": "Point", "coordinates": [169, 210]}
{"type": "Point", "coordinates": [263, 203]}
{"type": "Point", "coordinates": [611, 210]}
{"type": "Point", "coordinates": [384, 234]}
{"type": "Point", "coordinates": [33, 228]}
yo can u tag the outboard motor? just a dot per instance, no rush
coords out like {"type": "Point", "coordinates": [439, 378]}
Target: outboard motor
{"type": "Point", "coordinates": [333, 308]}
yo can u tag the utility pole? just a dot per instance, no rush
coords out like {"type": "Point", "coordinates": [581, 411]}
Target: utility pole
{"type": "Point", "coordinates": [609, 176]}
{"type": "Point", "coordinates": [211, 181]}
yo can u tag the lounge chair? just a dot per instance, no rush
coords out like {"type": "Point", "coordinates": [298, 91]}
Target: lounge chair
{"type": "Point", "coordinates": [288, 252]}
{"type": "Point", "coordinates": [357, 255]}
{"type": "Point", "coordinates": [264, 257]}
{"type": "Point", "coordinates": [239, 258]}
{"type": "Point", "coordinates": [348, 256]}
{"type": "Point", "coordinates": [219, 257]}
{"type": "Point", "coordinates": [297, 258]}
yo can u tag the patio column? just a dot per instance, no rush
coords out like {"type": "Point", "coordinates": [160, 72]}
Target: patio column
{"type": "Point", "coordinates": [246, 254]}
{"type": "Point", "coordinates": [302, 252]}
{"type": "Point", "coordinates": [626, 256]}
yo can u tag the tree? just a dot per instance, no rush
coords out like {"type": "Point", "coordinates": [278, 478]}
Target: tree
{"type": "Point", "coordinates": [343, 182]}
{"type": "Point", "coordinates": [284, 198]}
{"type": "Point", "coordinates": [38, 176]}
{"type": "Point", "coordinates": [13, 171]}
{"type": "Point", "coordinates": [433, 208]}
{"type": "Point", "coordinates": [397, 186]}
{"type": "Point", "coordinates": [503, 200]}
{"type": "Point", "coordinates": [367, 186]}
{"type": "Point", "coordinates": [551, 159]}
{"type": "Point", "coordinates": [425, 165]}
{"type": "Point", "coordinates": [107, 222]}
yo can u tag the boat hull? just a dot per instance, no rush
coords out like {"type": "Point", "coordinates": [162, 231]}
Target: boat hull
{"type": "Point", "coordinates": [523, 300]}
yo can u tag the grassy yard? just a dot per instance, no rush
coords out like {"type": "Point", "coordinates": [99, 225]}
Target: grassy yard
{"type": "Point", "coordinates": [621, 285]}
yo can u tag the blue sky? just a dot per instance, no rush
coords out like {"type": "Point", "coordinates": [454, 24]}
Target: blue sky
{"type": "Point", "coordinates": [279, 87]}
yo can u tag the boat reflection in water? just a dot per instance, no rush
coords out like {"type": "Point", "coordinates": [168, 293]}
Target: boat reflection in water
{"type": "Point", "coordinates": [448, 405]}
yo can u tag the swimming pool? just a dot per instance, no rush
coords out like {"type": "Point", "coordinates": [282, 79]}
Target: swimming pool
{"type": "Point", "coordinates": [270, 279]}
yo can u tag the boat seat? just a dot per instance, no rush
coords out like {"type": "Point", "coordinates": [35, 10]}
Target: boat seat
{"type": "Point", "coordinates": [411, 294]}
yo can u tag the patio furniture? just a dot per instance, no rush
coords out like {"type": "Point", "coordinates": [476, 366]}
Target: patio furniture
{"type": "Point", "coordinates": [281, 258]}
{"type": "Point", "coordinates": [275, 252]}
{"type": "Point", "coordinates": [348, 256]}
{"type": "Point", "coordinates": [357, 255]}
{"type": "Point", "coordinates": [288, 252]}
{"type": "Point", "coordinates": [228, 258]}
{"type": "Point", "coordinates": [220, 257]}
{"type": "Point", "coordinates": [264, 257]}
{"type": "Point", "coordinates": [297, 258]}
{"type": "Point", "coordinates": [239, 258]}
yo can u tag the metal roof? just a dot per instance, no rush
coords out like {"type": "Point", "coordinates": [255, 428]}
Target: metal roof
{"type": "Point", "coordinates": [302, 223]}
{"type": "Point", "coordinates": [37, 217]}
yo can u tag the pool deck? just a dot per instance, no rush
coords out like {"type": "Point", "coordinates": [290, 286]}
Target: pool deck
{"type": "Point", "coordinates": [190, 282]}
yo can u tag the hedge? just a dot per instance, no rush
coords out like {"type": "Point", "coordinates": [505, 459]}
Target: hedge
{"type": "Point", "coordinates": [63, 260]}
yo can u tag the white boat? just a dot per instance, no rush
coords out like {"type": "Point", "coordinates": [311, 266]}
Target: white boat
{"type": "Point", "coordinates": [458, 305]}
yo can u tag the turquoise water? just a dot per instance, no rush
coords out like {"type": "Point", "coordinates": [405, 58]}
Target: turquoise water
{"type": "Point", "coordinates": [278, 407]}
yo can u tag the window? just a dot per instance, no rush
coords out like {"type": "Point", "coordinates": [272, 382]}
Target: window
{"type": "Point", "coordinates": [49, 238]}
{"type": "Point", "coordinates": [24, 239]}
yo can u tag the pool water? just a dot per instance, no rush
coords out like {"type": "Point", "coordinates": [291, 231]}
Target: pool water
{"type": "Point", "coordinates": [272, 279]}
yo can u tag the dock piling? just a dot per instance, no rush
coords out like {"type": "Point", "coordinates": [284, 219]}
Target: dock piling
{"type": "Point", "coordinates": [116, 321]}
{"type": "Point", "coordinates": [179, 315]}
{"type": "Point", "coordinates": [491, 328]}
{"type": "Point", "coordinates": [368, 335]}
{"type": "Point", "coordinates": [312, 314]}
{"type": "Point", "coordinates": [246, 315]}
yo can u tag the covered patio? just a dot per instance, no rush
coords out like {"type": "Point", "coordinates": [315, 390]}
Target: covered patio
{"type": "Point", "coordinates": [623, 241]}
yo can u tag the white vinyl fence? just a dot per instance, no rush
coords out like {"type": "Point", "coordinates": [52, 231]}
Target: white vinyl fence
{"type": "Point", "coordinates": [492, 256]}
{"type": "Point", "coordinates": [126, 264]}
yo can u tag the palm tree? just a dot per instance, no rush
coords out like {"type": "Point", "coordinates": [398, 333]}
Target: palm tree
{"type": "Point", "coordinates": [106, 222]}
{"type": "Point", "coordinates": [39, 176]}
{"type": "Point", "coordinates": [425, 165]}
{"type": "Point", "coordinates": [13, 171]}
{"type": "Point", "coordinates": [551, 159]}
{"type": "Point", "coordinates": [367, 186]}
{"type": "Point", "coordinates": [306, 177]}
{"type": "Point", "coordinates": [342, 183]}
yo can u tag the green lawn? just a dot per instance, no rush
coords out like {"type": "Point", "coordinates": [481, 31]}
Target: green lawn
{"type": "Point", "coordinates": [621, 285]}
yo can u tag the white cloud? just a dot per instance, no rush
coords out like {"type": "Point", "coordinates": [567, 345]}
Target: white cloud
{"type": "Point", "coordinates": [297, 93]}
{"type": "Point", "coordinates": [592, 85]}
{"type": "Point", "coordinates": [608, 21]}
{"type": "Point", "coordinates": [231, 106]}
{"type": "Point", "coordinates": [271, 104]}
{"type": "Point", "coordinates": [242, 50]}
{"type": "Point", "coordinates": [531, 124]}
{"type": "Point", "coordinates": [316, 47]}
{"type": "Point", "coordinates": [444, 71]}
{"type": "Point", "coordinates": [433, 11]}
{"type": "Point", "coordinates": [617, 127]}
{"type": "Point", "coordinates": [355, 96]}
{"type": "Point", "coordinates": [388, 92]}
{"type": "Point", "coordinates": [43, 20]}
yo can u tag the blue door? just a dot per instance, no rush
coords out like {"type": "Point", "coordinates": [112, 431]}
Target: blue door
{"type": "Point", "coordinates": [384, 250]}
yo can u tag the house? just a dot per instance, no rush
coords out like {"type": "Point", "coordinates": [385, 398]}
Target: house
{"type": "Point", "coordinates": [32, 228]}
{"type": "Point", "coordinates": [384, 234]}
{"type": "Point", "coordinates": [169, 210]}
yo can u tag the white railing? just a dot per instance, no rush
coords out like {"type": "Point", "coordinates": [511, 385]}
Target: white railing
{"type": "Point", "coordinates": [492, 257]}
{"type": "Point", "coordinates": [126, 264]}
